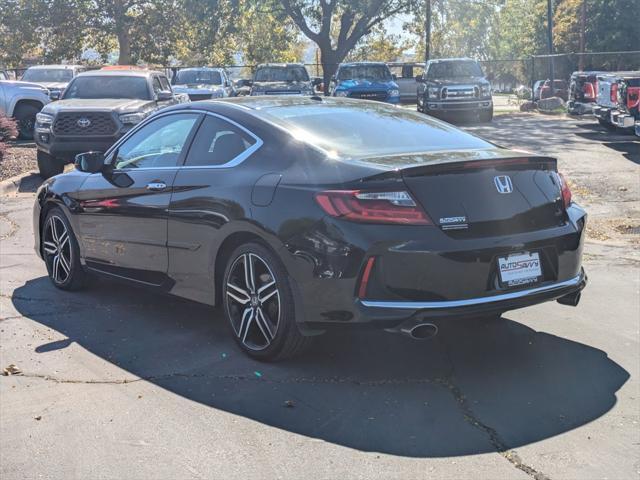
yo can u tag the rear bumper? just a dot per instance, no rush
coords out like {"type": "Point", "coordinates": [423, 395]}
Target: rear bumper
{"type": "Point", "coordinates": [425, 271]}
{"type": "Point", "coordinates": [579, 108]}
{"type": "Point", "coordinates": [621, 119]}
{"type": "Point", "coordinates": [602, 113]}
{"type": "Point", "coordinates": [383, 310]}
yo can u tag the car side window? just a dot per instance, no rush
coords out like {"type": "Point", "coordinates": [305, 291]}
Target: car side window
{"type": "Point", "coordinates": [157, 144]}
{"type": "Point", "coordinates": [164, 84]}
{"type": "Point", "coordinates": [217, 142]}
{"type": "Point", "coordinates": [157, 88]}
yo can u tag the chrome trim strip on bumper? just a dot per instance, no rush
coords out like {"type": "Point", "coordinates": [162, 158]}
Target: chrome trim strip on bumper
{"type": "Point", "coordinates": [574, 282]}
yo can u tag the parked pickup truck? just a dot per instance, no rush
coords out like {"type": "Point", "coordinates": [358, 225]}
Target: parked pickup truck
{"type": "Point", "coordinates": [23, 100]}
{"type": "Point", "coordinates": [627, 89]}
{"type": "Point", "coordinates": [202, 83]}
{"type": "Point", "coordinates": [366, 80]}
{"type": "Point", "coordinates": [281, 79]}
{"type": "Point", "coordinates": [95, 110]}
{"type": "Point", "coordinates": [455, 86]}
{"type": "Point", "coordinates": [606, 97]}
{"type": "Point", "coordinates": [582, 92]}
{"type": "Point", "coordinates": [54, 78]}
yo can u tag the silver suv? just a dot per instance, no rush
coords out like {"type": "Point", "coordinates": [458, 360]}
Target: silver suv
{"type": "Point", "coordinates": [22, 100]}
{"type": "Point", "coordinates": [54, 78]}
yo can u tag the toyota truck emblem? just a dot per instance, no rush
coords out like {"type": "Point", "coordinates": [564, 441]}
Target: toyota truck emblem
{"type": "Point", "coordinates": [83, 122]}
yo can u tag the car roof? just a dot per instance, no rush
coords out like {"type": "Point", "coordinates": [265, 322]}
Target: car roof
{"type": "Point", "coordinates": [119, 73]}
{"type": "Point", "coordinates": [280, 65]}
{"type": "Point", "coordinates": [452, 59]}
{"type": "Point", "coordinates": [356, 64]}
{"type": "Point", "coordinates": [200, 69]}
{"type": "Point", "coordinates": [51, 67]}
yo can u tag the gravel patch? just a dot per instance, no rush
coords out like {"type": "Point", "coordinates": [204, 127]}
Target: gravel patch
{"type": "Point", "coordinates": [19, 158]}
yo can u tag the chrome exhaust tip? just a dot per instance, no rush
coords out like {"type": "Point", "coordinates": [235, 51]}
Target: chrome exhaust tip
{"type": "Point", "coordinates": [421, 331]}
{"type": "Point", "coordinates": [572, 299]}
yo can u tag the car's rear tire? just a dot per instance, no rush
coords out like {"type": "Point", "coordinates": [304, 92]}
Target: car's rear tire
{"type": "Point", "coordinates": [606, 124]}
{"type": "Point", "coordinates": [25, 115]}
{"type": "Point", "coordinates": [61, 252]}
{"type": "Point", "coordinates": [48, 165]}
{"type": "Point", "coordinates": [259, 305]}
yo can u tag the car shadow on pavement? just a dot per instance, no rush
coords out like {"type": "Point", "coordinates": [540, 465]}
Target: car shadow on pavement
{"type": "Point", "coordinates": [479, 386]}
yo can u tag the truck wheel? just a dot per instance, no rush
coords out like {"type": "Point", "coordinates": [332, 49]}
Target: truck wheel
{"type": "Point", "coordinates": [606, 124]}
{"type": "Point", "coordinates": [26, 116]}
{"type": "Point", "coordinates": [486, 117]}
{"type": "Point", "coordinates": [48, 165]}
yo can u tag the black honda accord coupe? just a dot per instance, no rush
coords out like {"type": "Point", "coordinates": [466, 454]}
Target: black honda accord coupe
{"type": "Point", "coordinates": [297, 215]}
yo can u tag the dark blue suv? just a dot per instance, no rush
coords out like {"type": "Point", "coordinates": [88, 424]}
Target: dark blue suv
{"type": "Point", "coordinates": [366, 80]}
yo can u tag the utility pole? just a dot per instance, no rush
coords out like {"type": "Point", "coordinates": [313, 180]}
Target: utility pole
{"type": "Point", "coordinates": [427, 31]}
{"type": "Point", "coordinates": [583, 26]}
{"type": "Point", "coordinates": [550, 41]}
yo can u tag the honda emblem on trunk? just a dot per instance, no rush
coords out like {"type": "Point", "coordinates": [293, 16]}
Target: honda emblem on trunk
{"type": "Point", "coordinates": [503, 184]}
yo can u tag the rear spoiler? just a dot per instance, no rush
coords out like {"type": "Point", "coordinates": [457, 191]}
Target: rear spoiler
{"type": "Point", "coordinates": [517, 163]}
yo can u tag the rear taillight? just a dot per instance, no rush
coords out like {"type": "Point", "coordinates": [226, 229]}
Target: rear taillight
{"type": "Point", "coordinates": [373, 207]}
{"type": "Point", "coordinates": [565, 191]}
{"type": "Point", "coordinates": [588, 90]}
{"type": "Point", "coordinates": [614, 92]}
{"type": "Point", "coordinates": [633, 97]}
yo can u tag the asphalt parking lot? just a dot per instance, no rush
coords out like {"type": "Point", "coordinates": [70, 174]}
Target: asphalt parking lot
{"type": "Point", "coordinates": [119, 383]}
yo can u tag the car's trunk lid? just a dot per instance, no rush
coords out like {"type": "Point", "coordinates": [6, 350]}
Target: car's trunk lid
{"type": "Point", "coordinates": [489, 197]}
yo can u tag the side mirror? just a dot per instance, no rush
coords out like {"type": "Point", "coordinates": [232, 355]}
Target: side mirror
{"type": "Point", "coordinates": [419, 79]}
{"type": "Point", "coordinates": [55, 95]}
{"type": "Point", "coordinates": [317, 81]}
{"type": "Point", "coordinates": [164, 96]}
{"type": "Point", "coordinates": [90, 162]}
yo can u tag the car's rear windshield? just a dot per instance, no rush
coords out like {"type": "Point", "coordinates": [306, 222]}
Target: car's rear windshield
{"type": "Point", "coordinates": [364, 72]}
{"type": "Point", "coordinates": [47, 75]}
{"type": "Point", "coordinates": [103, 86]}
{"type": "Point", "coordinates": [209, 77]}
{"type": "Point", "coordinates": [281, 74]}
{"type": "Point", "coordinates": [454, 69]}
{"type": "Point", "coordinates": [365, 129]}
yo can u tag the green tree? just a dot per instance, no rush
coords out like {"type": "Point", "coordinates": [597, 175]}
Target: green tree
{"type": "Point", "coordinates": [379, 46]}
{"type": "Point", "coordinates": [336, 26]}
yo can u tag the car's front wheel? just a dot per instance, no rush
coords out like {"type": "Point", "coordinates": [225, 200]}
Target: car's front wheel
{"type": "Point", "coordinates": [48, 165]}
{"type": "Point", "coordinates": [25, 115]}
{"type": "Point", "coordinates": [259, 306]}
{"type": "Point", "coordinates": [61, 252]}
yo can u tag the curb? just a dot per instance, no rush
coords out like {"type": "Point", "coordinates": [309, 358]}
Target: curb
{"type": "Point", "coordinates": [11, 185]}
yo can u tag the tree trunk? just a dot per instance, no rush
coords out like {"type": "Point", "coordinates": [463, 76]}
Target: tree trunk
{"type": "Point", "coordinates": [124, 44]}
{"type": "Point", "coordinates": [329, 64]}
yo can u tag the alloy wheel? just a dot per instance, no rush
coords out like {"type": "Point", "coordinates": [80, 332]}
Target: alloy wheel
{"type": "Point", "coordinates": [57, 249]}
{"type": "Point", "coordinates": [253, 301]}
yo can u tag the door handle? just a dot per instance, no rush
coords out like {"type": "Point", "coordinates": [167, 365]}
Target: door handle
{"type": "Point", "coordinates": [156, 186]}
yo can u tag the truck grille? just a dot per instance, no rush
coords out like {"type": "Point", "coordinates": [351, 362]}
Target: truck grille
{"type": "Point", "coordinates": [80, 124]}
{"type": "Point", "coordinates": [459, 93]}
{"type": "Point", "coordinates": [380, 95]}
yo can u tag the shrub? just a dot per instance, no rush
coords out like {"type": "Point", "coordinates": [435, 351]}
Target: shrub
{"type": "Point", "coordinates": [8, 131]}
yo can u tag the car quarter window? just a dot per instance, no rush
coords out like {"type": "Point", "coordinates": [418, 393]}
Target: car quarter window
{"type": "Point", "coordinates": [156, 85]}
{"type": "Point", "coordinates": [164, 83]}
{"type": "Point", "coordinates": [217, 142]}
{"type": "Point", "coordinates": [157, 144]}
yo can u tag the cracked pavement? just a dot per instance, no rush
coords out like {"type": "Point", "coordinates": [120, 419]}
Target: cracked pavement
{"type": "Point", "coordinates": [120, 383]}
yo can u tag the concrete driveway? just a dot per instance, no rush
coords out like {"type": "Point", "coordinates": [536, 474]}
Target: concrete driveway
{"type": "Point", "coordinates": [120, 383]}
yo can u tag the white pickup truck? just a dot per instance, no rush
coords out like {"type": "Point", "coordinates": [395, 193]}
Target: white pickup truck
{"type": "Point", "coordinates": [23, 100]}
